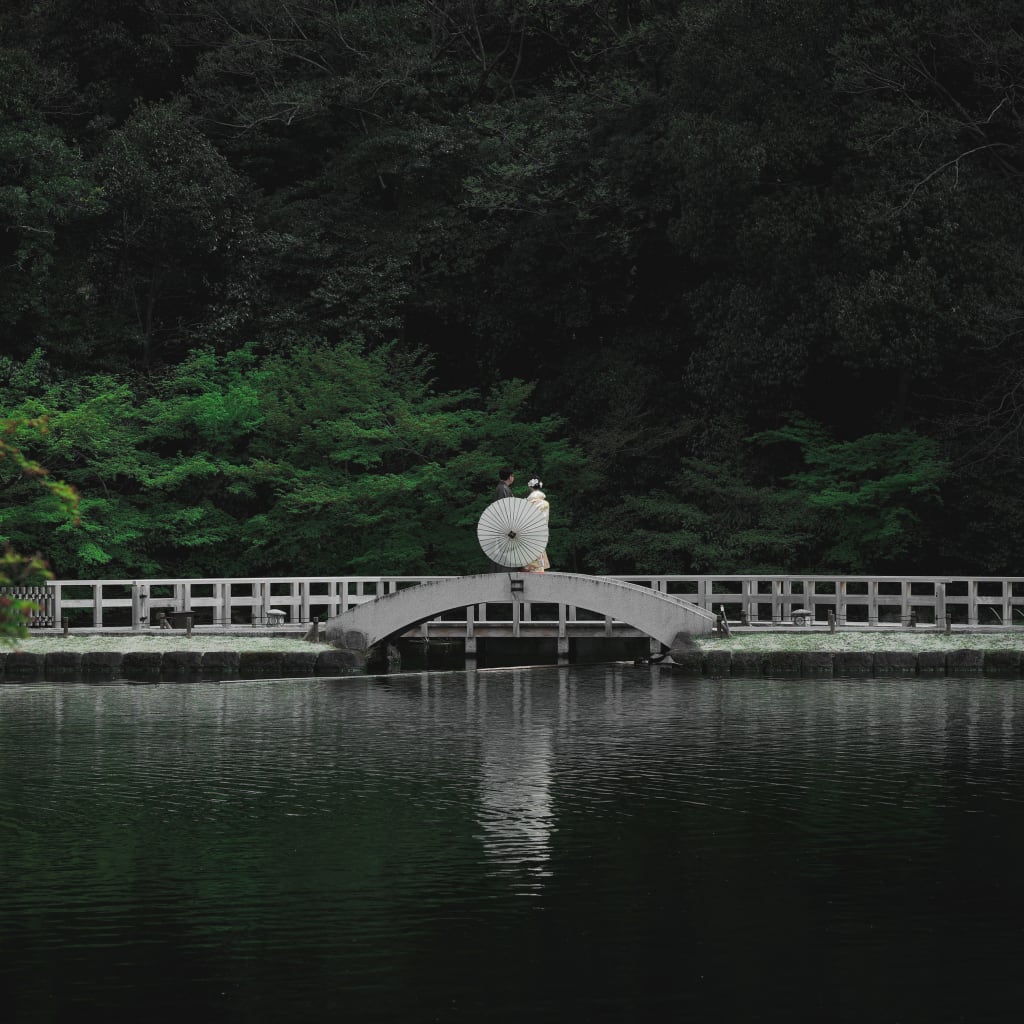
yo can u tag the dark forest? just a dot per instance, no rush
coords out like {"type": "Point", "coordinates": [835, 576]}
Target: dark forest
{"type": "Point", "coordinates": [289, 280]}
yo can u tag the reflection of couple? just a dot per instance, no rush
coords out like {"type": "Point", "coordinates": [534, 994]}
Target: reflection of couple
{"type": "Point", "coordinates": [516, 812]}
{"type": "Point", "coordinates": [537, 498]}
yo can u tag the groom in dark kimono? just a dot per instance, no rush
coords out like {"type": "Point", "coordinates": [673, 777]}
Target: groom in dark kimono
{"type": "Point", "coordinates": [504, 490]}
{"type": "Point", "coordinates": [505, 480]}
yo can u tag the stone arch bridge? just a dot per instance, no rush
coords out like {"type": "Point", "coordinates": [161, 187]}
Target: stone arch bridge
{"type": "Point", "coordinates": [665, 617]}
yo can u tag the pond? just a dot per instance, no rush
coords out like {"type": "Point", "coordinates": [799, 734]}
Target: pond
{"type": "Point", "coordinates": [558, 844]}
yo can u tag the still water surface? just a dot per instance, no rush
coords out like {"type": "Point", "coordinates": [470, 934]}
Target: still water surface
{"type": "Point", "coordinates": [603, 843]}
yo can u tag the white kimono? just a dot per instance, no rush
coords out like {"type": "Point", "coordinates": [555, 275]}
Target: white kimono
{"type": "Point", "coordinates": [540, 563]}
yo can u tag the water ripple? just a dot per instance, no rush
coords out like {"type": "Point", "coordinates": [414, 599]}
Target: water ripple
{"type": "Point", "coordinates": [400, 846]}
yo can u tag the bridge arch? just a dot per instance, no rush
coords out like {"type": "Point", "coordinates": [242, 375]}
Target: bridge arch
{"type": "Point", "coordinates": [662, 616]}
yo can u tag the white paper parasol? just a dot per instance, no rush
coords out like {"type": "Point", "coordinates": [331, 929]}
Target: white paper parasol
{"type": "Point", "coordinates": [512, 532]}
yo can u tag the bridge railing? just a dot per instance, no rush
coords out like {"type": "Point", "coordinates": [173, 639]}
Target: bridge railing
{"type": "Point", "coordinates": [853, 600]}
{"type": "Point", "coordinates": [754, 600]}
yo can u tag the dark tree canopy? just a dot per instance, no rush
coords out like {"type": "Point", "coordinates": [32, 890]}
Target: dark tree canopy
{"type": "Point", "coordinates": [276, 270]}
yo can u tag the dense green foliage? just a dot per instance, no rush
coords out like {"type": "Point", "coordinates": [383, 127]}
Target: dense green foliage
{"type": "Point", "coordinates": [18, 571]}
{"type": "Point", "coordinates": [276, 271]}
{"type": "Point", "coordinates": [276, 463]}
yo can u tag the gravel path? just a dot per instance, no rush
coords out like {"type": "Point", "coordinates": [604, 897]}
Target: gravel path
{"type": "Point", "coordinates": [123, 642]}
{"type": "Point", "coordinates": [914, 640]}
{"type": "Point", "coordinates": [776, 640]}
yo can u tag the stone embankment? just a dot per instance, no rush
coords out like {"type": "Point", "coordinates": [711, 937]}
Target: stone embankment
{"type": "Point", "coordinates": [177, 665]}
{"type": "Point", "coordinates": [847, 663]}
{"type": "Point", "coordinates": [153, 666]}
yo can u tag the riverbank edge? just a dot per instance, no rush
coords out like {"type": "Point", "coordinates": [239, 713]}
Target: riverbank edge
{"type": "Point", "coordinates": [185, 665]}
{"type": "Point", "coordinates": [963, 661]}
{"type": "Point", "coordinates": [175, 665]}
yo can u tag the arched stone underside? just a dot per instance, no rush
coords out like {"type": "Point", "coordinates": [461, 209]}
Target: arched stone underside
{"type": "Point", "coordinates": [662, 616]}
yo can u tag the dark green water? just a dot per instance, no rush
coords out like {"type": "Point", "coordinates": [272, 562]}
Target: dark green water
{"type": "Point", "coordinates": [599, 844]}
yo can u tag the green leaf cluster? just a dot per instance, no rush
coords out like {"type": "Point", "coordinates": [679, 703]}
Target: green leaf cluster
{"type": "Point", "coordinates": [331, 459]}
{"type": "Point", "coordinates": [18, 570]}
{"type": "Point", "coordinates": [866, 498]}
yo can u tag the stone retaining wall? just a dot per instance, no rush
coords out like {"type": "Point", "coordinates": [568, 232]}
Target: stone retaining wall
{"type": "Point", "coordinates": [153, 666]}
{"type": "Point", "coordinates": [847, 663]}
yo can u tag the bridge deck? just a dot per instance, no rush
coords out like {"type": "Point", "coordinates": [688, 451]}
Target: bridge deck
{"type": "Point", "coordinates": [663, 617]}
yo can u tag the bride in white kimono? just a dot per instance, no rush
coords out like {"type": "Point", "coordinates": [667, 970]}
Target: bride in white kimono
{"type": "Point", "coordinates": [536, 497]}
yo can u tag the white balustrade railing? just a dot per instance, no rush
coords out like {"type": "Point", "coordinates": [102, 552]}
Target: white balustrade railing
{"type": "Point", "coordinates": [754, 600]}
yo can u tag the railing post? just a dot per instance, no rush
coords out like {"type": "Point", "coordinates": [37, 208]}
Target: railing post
{"type": "Point", "coordinates": [225, 602]}
{"type": "Point", "coordinates": [264, 601]}
{"type": "Point", "coordinates": [58, 612]}
{"type": "Point", "coordinates": [139, 616]}
{"type": "Point", "coordinates": [704, 598]}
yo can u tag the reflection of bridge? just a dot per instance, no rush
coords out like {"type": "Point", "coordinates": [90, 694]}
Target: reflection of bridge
{"type": "Point", "coordinates": [653, 613]}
